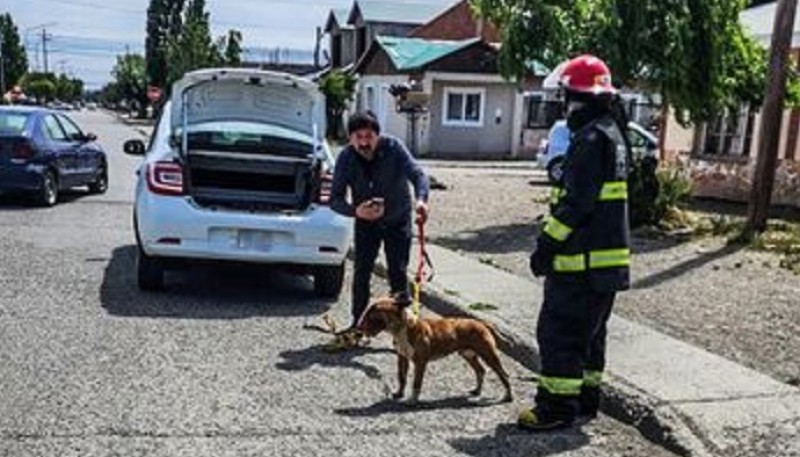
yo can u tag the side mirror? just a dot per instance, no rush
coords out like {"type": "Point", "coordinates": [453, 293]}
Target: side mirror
{"type": "Point", "coordinates": [89, 137]}
{"type": "Point", "coordinates": [134, 147]}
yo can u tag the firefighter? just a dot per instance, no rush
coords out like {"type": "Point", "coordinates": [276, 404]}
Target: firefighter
{"type": "Point", "coordinates": [583, 250]}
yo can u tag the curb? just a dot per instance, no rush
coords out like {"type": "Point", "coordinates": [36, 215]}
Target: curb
{"type": "Point", "coordinates": [658, 423]}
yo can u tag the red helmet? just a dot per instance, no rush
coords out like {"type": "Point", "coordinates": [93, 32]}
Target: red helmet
{"type": "Point", "coordinates": [585, 74]}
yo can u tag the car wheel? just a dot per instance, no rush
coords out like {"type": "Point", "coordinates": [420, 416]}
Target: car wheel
{"type": "Point", "coordinates": [328, 281]}
{"type": "Point", "coordinates": [47, 195]}
{"type": "Point", "coordinates": [555, 169]}
{"type": "Point", "coordinates": [149, 271]}
{"type": "Point", "coordinates": [100, 183]}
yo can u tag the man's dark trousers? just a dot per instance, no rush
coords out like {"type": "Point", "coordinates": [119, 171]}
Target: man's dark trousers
{"type": "Point", "coordinates": [571, 336]}
{"type": "Point", "coordinates": [396, 239]}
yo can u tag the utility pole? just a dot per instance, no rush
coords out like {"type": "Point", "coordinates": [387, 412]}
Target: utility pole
{"type": "Point", "coordinates": [771, 116]}
{"type": "Point", "coordinates": [36, 47]}
{"type": "Point", "coordinates": [45, 39]}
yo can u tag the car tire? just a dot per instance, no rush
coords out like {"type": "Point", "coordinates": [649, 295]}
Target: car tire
{"type": "Point", "coordinates": [149, 272]}
{"type": "Point", "coordinates": [555, 170]}
{"type": "Point", "coordinates": [100, 183]}
{"type": "Point", "coordinates": [328, 281]}
{"type": "Point", "coordinates": [47, 195]}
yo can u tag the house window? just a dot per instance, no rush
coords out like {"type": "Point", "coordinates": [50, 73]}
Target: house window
{"type": "Point", "coordinates": [729, 134]}
{"type": "Point", "coordinates": [542, 113]}
{"type": "Point", "coordinates": [463, 107]}
{"type": "Point", "coordinates": [336, 51]}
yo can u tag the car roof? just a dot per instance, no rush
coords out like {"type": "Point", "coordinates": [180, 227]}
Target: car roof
{"type": "Point", "coordinates": [25, 109]}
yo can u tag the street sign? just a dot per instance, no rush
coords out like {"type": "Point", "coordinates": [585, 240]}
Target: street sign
{"type": "Point", "coordinates": [153, 93]}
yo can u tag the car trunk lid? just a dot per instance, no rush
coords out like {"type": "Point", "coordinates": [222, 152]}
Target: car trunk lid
{"type": "Point", "coordinates": [249, 139]}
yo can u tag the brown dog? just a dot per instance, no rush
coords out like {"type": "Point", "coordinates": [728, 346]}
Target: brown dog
{"type": "Point", "coordinates": [423, 340]}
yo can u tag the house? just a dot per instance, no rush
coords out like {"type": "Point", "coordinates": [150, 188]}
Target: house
{"type": "Point", "coordinates": [720, 155]}
{"type": "Point", "coordinates": [351, 32]}
{"type": "Point", "coordinates": [341, 39]}
{"type": "Point", "coordinates": [457, 23]}
{"type": "Point", "coordinates": [471, 111]}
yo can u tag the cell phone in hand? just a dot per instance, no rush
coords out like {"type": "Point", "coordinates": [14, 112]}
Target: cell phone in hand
{"type": "Point", "coordinates": [377, 202]}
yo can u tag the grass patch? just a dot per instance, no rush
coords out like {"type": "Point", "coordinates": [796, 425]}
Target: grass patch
{"type": "Point", "coordinates": [480, 306]}
{"type": "Point", "coordinates": [781, 237]}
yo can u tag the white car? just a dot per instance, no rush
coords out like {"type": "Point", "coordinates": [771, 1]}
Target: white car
{"type": "Point", "coordinates": [552, 150]}
{"type": "Point", "coordinates": [237, 170]}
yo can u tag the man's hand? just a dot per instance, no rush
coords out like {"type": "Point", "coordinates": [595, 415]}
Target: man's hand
{"type": "Point", "coordinates": [369, 211]}
{"type": "Point", "coordinates": [422, 212]}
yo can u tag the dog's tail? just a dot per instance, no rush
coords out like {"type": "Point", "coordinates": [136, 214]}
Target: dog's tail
{"type": "Point", "coordinates": [497, 335]}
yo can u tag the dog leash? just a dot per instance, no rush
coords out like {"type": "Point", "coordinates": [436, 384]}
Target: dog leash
{"type": "Point", "coordinates": [423, 260]}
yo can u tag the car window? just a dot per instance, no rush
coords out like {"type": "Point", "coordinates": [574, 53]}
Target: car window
{"type": "Point", "coordinates": [161, 124]}
{"type": "Point", "coordinates": [53, 129]}
{"type": "Point", "coordinates": [13, 123]}
{"type": "Point", "coordinates": [558, 141]}
{"type": "Point", "coordinates": [73, 131]}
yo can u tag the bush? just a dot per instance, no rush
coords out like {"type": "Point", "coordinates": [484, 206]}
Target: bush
{"type": "Point", "coordinates": [655, 195]}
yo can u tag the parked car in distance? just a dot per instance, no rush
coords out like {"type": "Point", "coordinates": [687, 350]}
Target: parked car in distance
{"type": "Point", "coordinates": [552, 150]}
{"type": "Point", "coordinates": [237, 169]}
{"type": "Point", "coordinates": [43, 152]}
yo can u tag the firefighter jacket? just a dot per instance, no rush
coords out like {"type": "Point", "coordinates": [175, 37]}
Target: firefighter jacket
{"type": "Point", "coordinates": [588, 226]}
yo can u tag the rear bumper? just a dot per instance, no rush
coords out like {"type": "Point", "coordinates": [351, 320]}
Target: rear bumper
{"type": "Point", "coordinates": [20, 177]}
{"type": "Point", "coordinates": [176, 228]}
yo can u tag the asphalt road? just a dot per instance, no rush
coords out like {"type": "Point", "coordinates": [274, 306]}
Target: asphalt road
{"type": "Point", "coordinates": [219, 364]}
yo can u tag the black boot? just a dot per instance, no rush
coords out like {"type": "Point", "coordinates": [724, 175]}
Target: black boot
{"type": "Point", "coordinates": [552, 412]}
{"type": "Point", "coordinates": [589, 402]}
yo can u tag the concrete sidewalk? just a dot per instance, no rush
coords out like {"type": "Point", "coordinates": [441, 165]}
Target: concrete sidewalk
{"type": "Point", "coordinates": [682, 397]}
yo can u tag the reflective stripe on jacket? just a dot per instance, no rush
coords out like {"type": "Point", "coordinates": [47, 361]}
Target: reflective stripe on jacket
{"type": "Point", "coordinates": [589, 208]}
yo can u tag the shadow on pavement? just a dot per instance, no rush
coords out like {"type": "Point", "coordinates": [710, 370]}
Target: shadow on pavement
{"type": "Point", "coordinates": [500, 239]}
{"type": "Point", "coordinates": [685, 267]}
{"type": "Point", "coordinates": [207, 292]}
{"type": "Point", "coordinates": [15, 201]}
{"type": "Point", "coordinates": [304, 359]}
{"type": "Point", "coordinates": [389, 406]}
{"type": "Point", "coordinates": [510, 441]}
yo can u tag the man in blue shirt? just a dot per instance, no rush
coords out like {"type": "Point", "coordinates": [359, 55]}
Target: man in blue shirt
{"type": "Point", "coordinates": [377, 170]}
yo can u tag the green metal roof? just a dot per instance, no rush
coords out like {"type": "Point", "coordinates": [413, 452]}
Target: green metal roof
{"type": "Point", "coordinates": [411, 53]}
{"type": "Point", "coordinates": [400, 12]}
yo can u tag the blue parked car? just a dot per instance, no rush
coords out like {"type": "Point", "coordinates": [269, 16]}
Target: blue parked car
{"type": "Point", "coordinates": [43, 152]}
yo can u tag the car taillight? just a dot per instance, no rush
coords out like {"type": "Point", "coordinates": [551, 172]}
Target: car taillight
{"type": "Point", "coordinates": [22, 151]}
{"type": "Point", "coordinates": [165, 178]}
{"type": "Point", "coordinates": [325, 184]}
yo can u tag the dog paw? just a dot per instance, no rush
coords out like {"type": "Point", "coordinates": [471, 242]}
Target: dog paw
{"type": "Point", "coordinates": [509, 397]}
{"type": "Point", "coordinates": [475, 393]}
{"type": "Point", "coordinates": [397, 395]}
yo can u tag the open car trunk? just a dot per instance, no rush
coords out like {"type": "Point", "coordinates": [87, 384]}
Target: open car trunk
{"type": "Point", "coordinates": [249, 139]}
{"type": "Point", "coordinates": [249, 176]}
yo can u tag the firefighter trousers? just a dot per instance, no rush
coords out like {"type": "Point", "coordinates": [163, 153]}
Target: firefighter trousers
{"type": "Point", "coordinates": [571, 334]}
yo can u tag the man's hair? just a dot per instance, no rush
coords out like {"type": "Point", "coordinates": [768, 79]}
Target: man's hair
{"type": "Point", "coordinates": [363, 120]}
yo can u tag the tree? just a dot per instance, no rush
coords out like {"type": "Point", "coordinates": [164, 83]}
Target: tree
{"type": "Point", "coordinates": [15, 61]}
{"type": "Point", "coordinates": [43, 90]}
{"type": "Point", "coordinates": [130, 75]}
{"type": "Point", "coordinates": [68, 89]}
{"type": "Point", "coordinates": [339, 89]}
{"type": "Point", "coordinates": [164, 23]}
{"type": "Point", "coordinates": [694, 53]}
{"type": "Point", "coordinates": [232, 48]}
{"type": "Point", "coordinates": [110, 95]}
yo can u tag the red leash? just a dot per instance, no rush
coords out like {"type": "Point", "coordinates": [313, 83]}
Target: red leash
{"type": "Point", "coordinates": [423, 259]}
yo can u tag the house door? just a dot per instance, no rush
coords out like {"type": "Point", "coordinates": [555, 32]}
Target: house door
{"type": "Point", "coordinates": [378, 101]}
